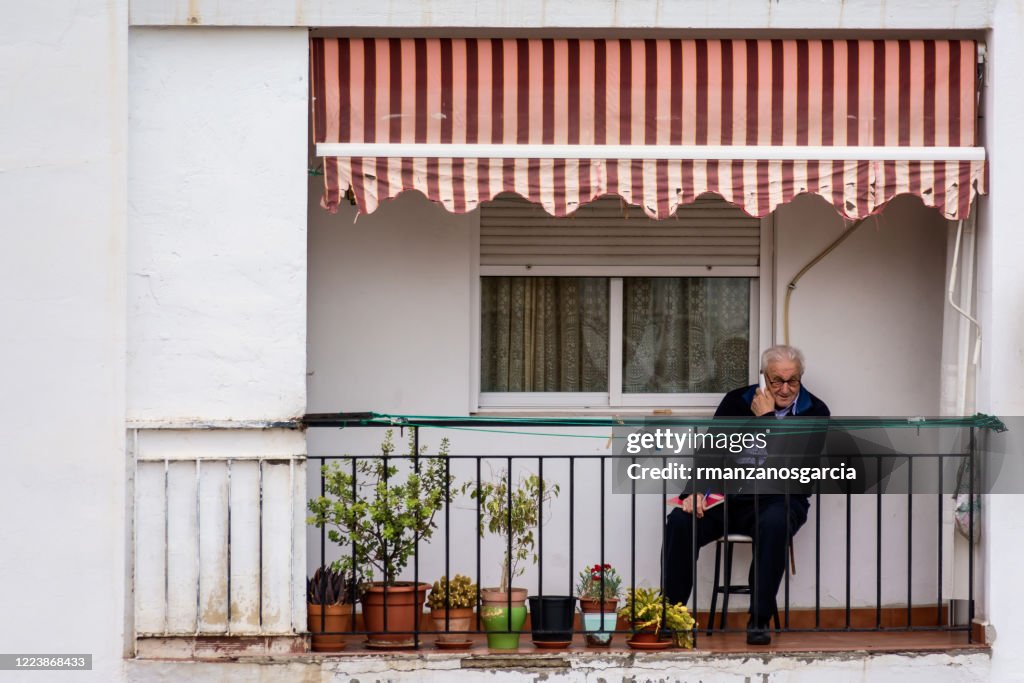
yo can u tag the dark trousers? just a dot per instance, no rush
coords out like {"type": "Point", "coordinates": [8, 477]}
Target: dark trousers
{"type": "Point", "coordinates": [766, 525]}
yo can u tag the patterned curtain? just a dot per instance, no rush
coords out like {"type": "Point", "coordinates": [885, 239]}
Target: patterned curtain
{"type": "Point", "coordinates": [544, 334]}
{"type": "Point", "coordinates": [685, 335]}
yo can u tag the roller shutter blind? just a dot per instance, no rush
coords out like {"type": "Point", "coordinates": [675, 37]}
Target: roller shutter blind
{"type": "Point", "coordinates": [607, 232]}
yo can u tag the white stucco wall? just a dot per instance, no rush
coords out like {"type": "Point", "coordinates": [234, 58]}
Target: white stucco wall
{"type": "Point", "coordinates": [641, 14]}
{"type": "Point", "coordinates": [217, 245]}
{"type": "Point", "coordinates": [217, 327]}
{"type": "Point", "coordinates": [62, 269]}
{"type": "Point", "coordinates": [1001, 306]}
{"type": "Point", "coordinates": [869, 315]}
{"type": "Point", "coordinates": [389, 320]}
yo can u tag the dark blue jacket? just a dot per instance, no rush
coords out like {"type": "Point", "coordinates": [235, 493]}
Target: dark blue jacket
{"type": "Point", "coordinates": [737, 404]}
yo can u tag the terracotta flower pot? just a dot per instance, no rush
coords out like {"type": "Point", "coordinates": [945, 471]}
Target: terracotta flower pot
{"type": "Point", "coordinates": [326, 630]}
{"type": "Point", "coordinates": [592, 605]}
{"type": "Point", "coordinates": [647, 635]}
{"type": "Point", "coordinates": [459, 619]}
{"type": "Point", "coordinates": [496, 596]}
{"type": "Point", "coordinates": [404, 600]}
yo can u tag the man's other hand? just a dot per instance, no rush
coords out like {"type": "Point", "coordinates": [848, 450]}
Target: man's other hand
{"type": "Point", "coordinates": [688, 504]}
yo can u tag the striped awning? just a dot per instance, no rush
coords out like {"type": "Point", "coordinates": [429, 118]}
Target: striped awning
{"type": "Point", "coordinates": [658, 122]}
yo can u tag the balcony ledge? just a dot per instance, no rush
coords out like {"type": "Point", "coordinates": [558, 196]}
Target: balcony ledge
{"type": "Point", "coordinates": [933, 656]}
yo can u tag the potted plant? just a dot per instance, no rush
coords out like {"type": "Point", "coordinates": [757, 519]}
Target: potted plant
{"type": "Point", "coordinates": [651, 614]}
{"type": "Point", "coordinates": [451, 607]}
{"type": "Point", "coordinates": [503, 608]}
{"type": "Point", "coordinates": [330, 598]}
{"type": "Point", "coordinates": [598, 592]}
{"type": "Point", "coordinates": [551, 620]}
{"type": "Point", "coordinates": [381, 514]}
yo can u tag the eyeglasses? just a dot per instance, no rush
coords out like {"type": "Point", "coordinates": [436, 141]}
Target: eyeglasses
{"type": "Point", "coordinates": [776, 384]}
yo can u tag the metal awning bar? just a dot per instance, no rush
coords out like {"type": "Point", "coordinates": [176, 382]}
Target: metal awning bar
{"type": "Point", "coordinates": [672, 152]}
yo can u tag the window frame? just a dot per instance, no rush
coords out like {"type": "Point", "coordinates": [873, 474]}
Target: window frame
{"type": "Point", "coordinates": [762, 288]}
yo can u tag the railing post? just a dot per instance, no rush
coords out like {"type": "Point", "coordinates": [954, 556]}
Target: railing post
{"type": "Point", "coordinates": [970, 539]}
{"type": "Point", "coordinates": [416, 544]}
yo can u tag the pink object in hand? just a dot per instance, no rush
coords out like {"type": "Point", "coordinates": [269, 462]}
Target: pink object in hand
{"type": "Point", "coordinates": [710, 500]}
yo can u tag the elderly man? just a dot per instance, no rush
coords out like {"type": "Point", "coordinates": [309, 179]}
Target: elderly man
{"type": "Point", "coordinates": [783, 395]}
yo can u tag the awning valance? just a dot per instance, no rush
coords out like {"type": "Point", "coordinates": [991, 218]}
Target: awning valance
{"type": "Point", "coordinates": [658, 122]}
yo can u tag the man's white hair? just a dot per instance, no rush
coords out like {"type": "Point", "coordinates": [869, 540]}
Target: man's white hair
{"type": "Point", "coordinates": [782, 352]}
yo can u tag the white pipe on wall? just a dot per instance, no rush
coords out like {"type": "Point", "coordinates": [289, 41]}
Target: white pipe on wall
{"type": "Point", "coordinates": [951, 289]}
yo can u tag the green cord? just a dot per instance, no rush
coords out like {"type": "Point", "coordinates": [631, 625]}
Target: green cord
{"type": "Point", "coordinates": [505, 431]}
{"type": "Point", "coordinates": [979, 420]}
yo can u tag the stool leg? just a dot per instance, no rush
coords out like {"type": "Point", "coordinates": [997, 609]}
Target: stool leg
{"type": "Point", "coordinates": [728, 584]}
{"type": "Point", "coordinates": [714, 591]}
{"type": "Point", "coordinates": [775, 614]}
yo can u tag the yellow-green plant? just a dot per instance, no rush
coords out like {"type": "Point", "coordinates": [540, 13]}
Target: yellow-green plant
{"type": "Point", "coordinates": [458, 593]}
{"type": "Point", "coordinates": [648, 610]}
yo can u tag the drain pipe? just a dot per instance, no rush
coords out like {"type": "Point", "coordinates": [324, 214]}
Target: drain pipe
{"type": "Point", "coordinates": [792, 283]}
{"type": "Point", "coordinates": [953, 272]}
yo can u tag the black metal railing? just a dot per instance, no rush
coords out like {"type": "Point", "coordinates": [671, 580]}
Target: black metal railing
{"type": "Point", "coordinates": [943, 618]}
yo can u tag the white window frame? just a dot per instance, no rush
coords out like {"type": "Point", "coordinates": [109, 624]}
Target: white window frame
{"type": "Point", "coordinates": [615, 401]}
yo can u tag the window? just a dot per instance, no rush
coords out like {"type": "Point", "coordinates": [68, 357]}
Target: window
{"type": "Point", "coordinates": [685, 335]}
{"type": "Point", "coordinates": [544, 334]}
{"type": "Point", "coordinates": [609, 309]}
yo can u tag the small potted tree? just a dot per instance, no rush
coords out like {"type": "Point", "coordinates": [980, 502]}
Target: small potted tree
{"type": "Point", "coordinates": [598, 591]}
{"type": "Point", "coordinates": [503, 608]}
{"type": "Point", "coordinates": [650, 614]}
{"type": "Point", "coordinates": [381, 514]}
{"type": "Point", "coordinates": [451, 608]}
{"type": "Point", "coordinates": [330, 598]}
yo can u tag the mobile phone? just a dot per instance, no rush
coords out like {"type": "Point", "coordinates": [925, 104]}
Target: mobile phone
{"type": "Point", "coordinates": [760, 381]}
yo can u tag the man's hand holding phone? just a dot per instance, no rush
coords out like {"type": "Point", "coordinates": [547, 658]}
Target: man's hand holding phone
{"type": "Point", "coordinates": [764, 400]}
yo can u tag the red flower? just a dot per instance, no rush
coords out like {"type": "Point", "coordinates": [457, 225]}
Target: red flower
{"type": "Point", "coordinates": [598, 571]}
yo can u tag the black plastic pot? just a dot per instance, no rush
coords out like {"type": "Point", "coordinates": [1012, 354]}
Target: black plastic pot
{"type": "Point", "coordinates": [552, 617]}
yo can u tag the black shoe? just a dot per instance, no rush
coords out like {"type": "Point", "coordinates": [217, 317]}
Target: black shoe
{"type": "Point", "coordinates": [758, 635]}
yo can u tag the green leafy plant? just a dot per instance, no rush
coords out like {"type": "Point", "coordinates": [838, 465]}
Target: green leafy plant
{"type": "Point", "coordinates": [648, 610]}
{"type": "Point", "coordinates": [589, 585]}
{"type": "Point", "coordinates": [380, 512]}
{"type": "Point", "coordinates": [515, 522]}
{"type": "Point", "coordinates": [461, 593]}
{"type": "Point", "coordinates": [328, 586]}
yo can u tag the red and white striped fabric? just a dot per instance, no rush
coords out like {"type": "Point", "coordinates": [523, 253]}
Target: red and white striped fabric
{"type": "Point", "coordinates": [919, 93]}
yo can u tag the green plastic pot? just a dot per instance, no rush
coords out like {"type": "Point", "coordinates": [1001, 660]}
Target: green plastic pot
{"type": "Point", "coordinates": [502, 627]}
